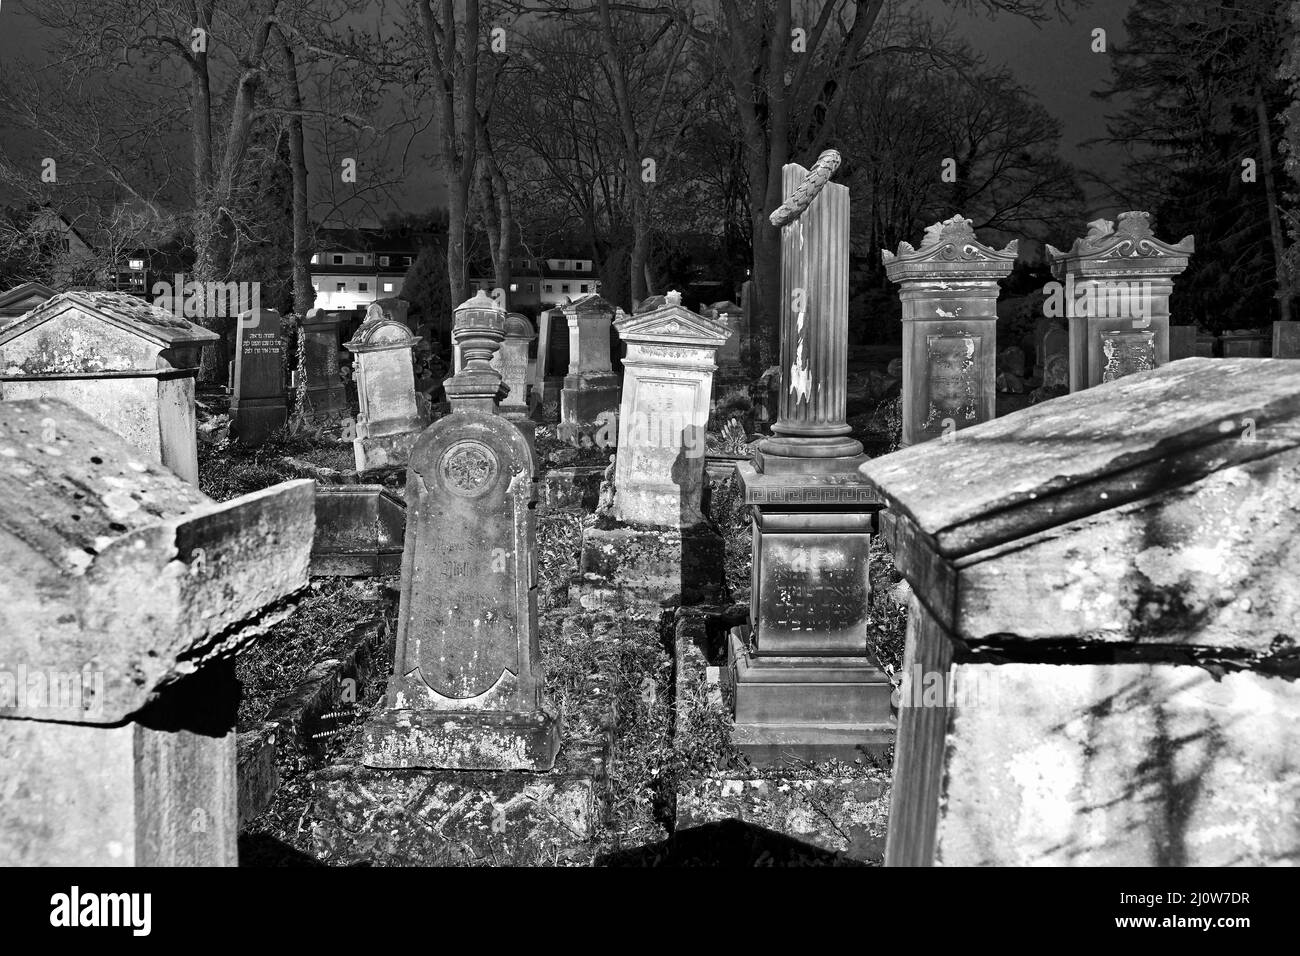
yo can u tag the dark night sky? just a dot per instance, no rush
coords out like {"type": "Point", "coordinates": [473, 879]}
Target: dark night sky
{"type": "Point", "coordinates": [1053, 60]}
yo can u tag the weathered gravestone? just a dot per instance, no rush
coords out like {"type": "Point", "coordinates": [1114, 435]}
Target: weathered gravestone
{"type": "Point", "coordinates": [1182, 342]}
{"type": "Point", "coordinates": [389, 417]}
{"type": "Point", "coordinates": [129, 592]}
{"type": "Point", "coordinates": [126, 363]}
{"type": "Point", "coordinates": [1286, 339]}
{"type": "Point", "coordinates": [949, 290]}
{"type": "Point", "coordinates": [466, 691]}
{"type": "Point", "coordinates": [806, 686]}
{"type": "Point", "coordinates": [662, 551]}
{"type": "Point", "coordinates": [1116, 285]}
{"type": "Point", "coordinates": [511, 361]}
{"type": "Point", "coordinates": [591, 387]}
{"type": "Point", "coordinates": [730, 353]}
{"type": "Point", "coordinates": [259, 405]}
{"type": "Point", "coordinates": [1100, 662]}
{"type": "Point", "coordinates": [552, 354]}
{"type": "Point", "coordinates": [1244, 343]}
{"type": "Point", "coordinates": [327, 399]}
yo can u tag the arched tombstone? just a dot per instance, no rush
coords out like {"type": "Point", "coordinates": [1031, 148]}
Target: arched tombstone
{"type": "Point", "coordinates": [466, 690]}
{"type": "Point", "coordinates": [389, 416]}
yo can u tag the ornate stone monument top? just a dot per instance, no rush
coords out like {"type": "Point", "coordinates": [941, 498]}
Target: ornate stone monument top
{"type": "Point", "coordinates": [479, 327]}
{"type": "Point", "coordinates": [380, 330]}
{"type": "Point", "coordinates": [673, 324]}
{"type": "Point", "coordinates": [1131, 238]}
{"type": "Point", "coordinates": [949, 246]}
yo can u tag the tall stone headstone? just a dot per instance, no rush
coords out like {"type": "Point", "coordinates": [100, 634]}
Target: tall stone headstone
{"type": "Point", "coordinates": [466, 690]}
{"type": "Point", "coordinates": [129, 592]}
{"type": "Point", "coordinates": [389, 416]}
{"type": "Point", "coordinates": [130, 365]}
{"type": "Point", "coordinates": [259, 405]}
{"type": "Point", "coordinates": [806, 686]}
{"type": "Point", "coordinates": [591, 387]}
{"type": "Point", "coordinates": [327, 397]}
{"type": "Point", "coordinates": [1096, 671]}
{"type": "Point", "coordinates": [511, 361]}
{"type": "Point", "coordinates": [1116, 282]}
{"type": "Point", "coordinates": [667, 384]}
{"type": "Point", "coordinates": [949, 289]}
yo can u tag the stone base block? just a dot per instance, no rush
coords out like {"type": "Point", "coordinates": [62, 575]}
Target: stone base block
{"type": "Point", "coordinates": [584, 403]}
{"type": "Point", "coordinates": [454, 818]}
{"type": "Point", "coordinates": [576, 487]}
{"type": "Point", "coordinates": [384, 451]}
{"type": "Point", "coordinates": [254, 422]}
{"type": "Point", "coordinates": [1103, 765]}
{"type": "Point", "coordinates": [846, 815]}
{"type": "Point", "coordinates": [462, 740]}
{"type": "Point", "coordinates": [642, 571]}
{"type": "Point", "coordinates": [796, 710]}
{"type": "Point", "coordinates": [257, 773]}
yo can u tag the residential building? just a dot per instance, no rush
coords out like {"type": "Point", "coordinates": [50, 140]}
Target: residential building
{"type": "Point", "coordinates": [540, 284]}
{"type": "Point", "coordinates": [356, 267]}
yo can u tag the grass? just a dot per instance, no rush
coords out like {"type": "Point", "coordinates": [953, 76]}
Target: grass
{"type": "Point", "coordinates": [228, 469]}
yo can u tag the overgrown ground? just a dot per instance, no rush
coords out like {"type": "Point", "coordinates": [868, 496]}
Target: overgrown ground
{"type": "Point", "coordinates": [602, 670]}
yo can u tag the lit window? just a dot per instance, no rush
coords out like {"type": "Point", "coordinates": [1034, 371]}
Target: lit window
{"type": "Point", "coordinates": [315, 260]}
{"type": "Point", "coordinates": [388, 287]}
{"type": "Point", "coordinates": [136, 264]}
{"type": "Point", "coordinates": [514, 287]}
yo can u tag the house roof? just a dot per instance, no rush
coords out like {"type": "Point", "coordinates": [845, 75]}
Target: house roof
{"type": "Point", "coordinates": [127, 312]}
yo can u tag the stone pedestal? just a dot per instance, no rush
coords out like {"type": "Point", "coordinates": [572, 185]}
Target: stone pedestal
{"type": "Point", "coordinates": [466, 691]}
{"type": "Point", "coordinates": [813, 516]}
{"type": "Point", "coordinates": [949, 290]}
{"type": "Point", "coordinates": [1286, 339]}
{"type": "Point", "coordinates": [259, 406]}
{"type": "Point", "coordinates": [129, 593]}
{"type": "Point", "coordinates": [129, 365]}
{"type": "Point", "coordinates": [389, 418]}
{"type": "Point", "coordinates": [1114, 284]}
{"type": "Point", "coordinates": [1100, 643]}
{"type": "Point", "coordinates": [327, 398]}
{"type": "Point", "coordinates": [591, 387]}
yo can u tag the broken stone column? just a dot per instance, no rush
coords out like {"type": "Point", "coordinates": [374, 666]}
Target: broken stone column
{"type": "Point", "coordinates": [389, 416]}
{"type": "Point", "coordinates": [259, 406]}
{"type": "Point", "coordinates": [466, 691]}
{"type": "Point", "coordinates": [129, 592]}
{"type": "Point", "coordinates": [591, 387]}
{"type": "Point", "coordinates": [806, 687]}
{"type": "Point", "coordinates": [949, 290]}
{"type": "Point", "coordinates": [130, 365]}
{"type": "Point", "coordinates": [327, 398]}
{"type": "Point", "coordinates": [1100, 654]}
{"type": "Point", "coordinates": [1114, 286]}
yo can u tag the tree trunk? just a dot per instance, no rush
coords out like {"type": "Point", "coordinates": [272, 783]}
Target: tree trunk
{"type": "Point", "coordinates": [304, 296]}
{"type": "Point", "coordinates": [1283, 276]}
